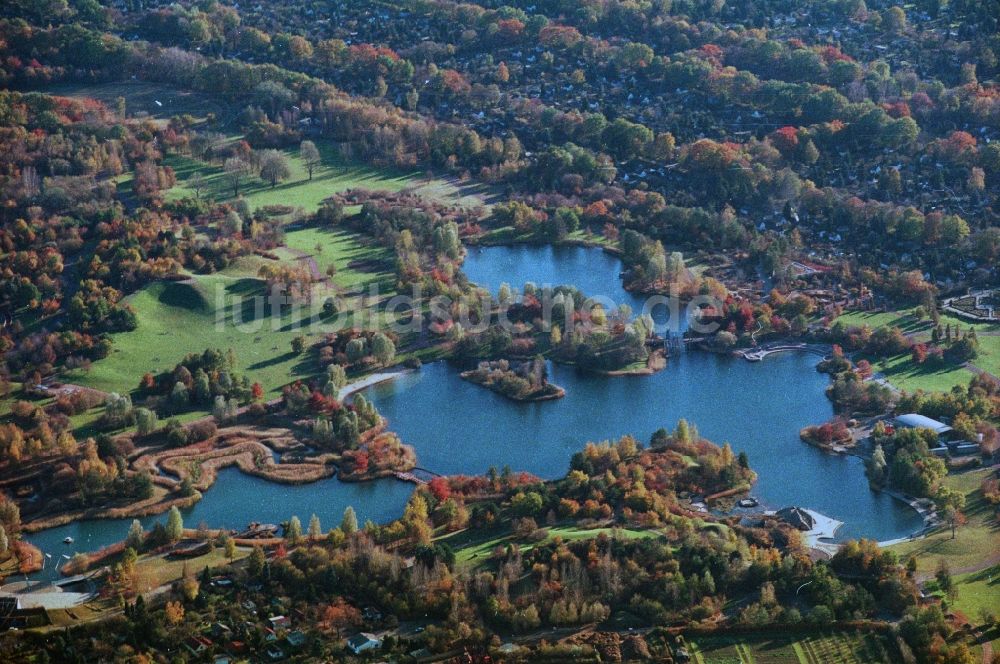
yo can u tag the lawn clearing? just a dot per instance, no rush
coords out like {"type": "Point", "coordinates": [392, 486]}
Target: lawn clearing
{"type": "Point", "coordinates": [181, 317]}
{"type": "Point", "coordinates": [974, 542]}
{"type": "Point", "coordinates": [908, 323]}
{"type": "Point", "coordinates": [903, 319]}
{"type": "Point", "coordinates": [978, 593]}
{"type": "Point", "coordinates": [902, 372]}
{"type": "Point", "coordinates": [96, 609]}
{"type": "Point", "coordinates": [359, 265]}
{"type": "Point", "coordinates": [334, 175]}
{"type": "Point", "coordinates": [471, 550]}
{"type": "Point", "coordinates": [155, 571]}
{"type": "Point", "coordinates": [141, 99]}
{"type": "Point", "coordinates": [177, 318]}
{"type": "Point", "coordinates": [989, 353]}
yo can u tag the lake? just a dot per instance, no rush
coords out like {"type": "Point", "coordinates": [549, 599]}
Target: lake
{"type": "Point", "coordinates": [758, 407]}
{"type": "Point", "coordinates": [458, 427]}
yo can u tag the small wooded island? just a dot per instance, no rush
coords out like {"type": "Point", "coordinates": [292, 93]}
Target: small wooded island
{"type": "Point", "coordinates": [523, 381]}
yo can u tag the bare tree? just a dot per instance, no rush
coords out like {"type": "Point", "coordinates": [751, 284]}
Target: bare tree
{"type": "Point", "coordinates": [236, 169]}
{"type": "Point", "coordinates": [274, 166]}
{"type": "Point", "coordinates": [310, 156]}
{"type": "Point", "coordinates": [197, 183]}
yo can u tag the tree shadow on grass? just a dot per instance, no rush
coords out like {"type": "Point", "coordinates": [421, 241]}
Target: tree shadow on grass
{"type": "Point", "coordinates": [182, 296]}
{"type": "Point", "coordinates": [991, 575]}
{"type": "Point", "coordinates": [246, 286]}
{"type": "Point", "coordinates": [270, 362]}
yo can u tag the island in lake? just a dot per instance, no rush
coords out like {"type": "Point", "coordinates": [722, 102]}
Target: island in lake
{"type": "Point", "coordinates": [520, 381]}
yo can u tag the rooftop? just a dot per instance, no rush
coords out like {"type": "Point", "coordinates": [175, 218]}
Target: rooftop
{"type": "Point", "coordinates": [914, 421]}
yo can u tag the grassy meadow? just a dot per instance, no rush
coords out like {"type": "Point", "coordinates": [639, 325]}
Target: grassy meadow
{"type": "Point", "coordinates": [177, 318]}
{"type": "Point", "coordinates": [358, 266]}
{"type": "Point", "coordinates": [473, 551]}
{"type": "Point", "coordinates": [335, 174]}
{"type": "Point", "coordinates": [902, 372]}
{"type": "Point", "coordinates": [978, 538]}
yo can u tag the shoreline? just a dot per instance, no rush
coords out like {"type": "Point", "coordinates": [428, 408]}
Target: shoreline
{"type": "Point", "coordinates": [372, 379]}
{"type": "Point", "coordinates": [161, 503]}
{"type": "Point", "coordinates": [657, 359]}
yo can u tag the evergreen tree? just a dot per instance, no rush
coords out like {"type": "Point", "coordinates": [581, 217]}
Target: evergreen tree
{"type": "Point", "coordinates": [255, 566]}
{"type": "Point", "coordinates": [336, 377]}
{"type": "Point", "coordinates": [202, 387]}
{"type": "Point", "coordinates": [683, 432]}
{"type": "Point", "coordinates": [145, 421]}
{"type": "Point", "coordinates": [383, 349]}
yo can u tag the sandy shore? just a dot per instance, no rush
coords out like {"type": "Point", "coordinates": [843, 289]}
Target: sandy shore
{"type": "Point", "coordinates": [368, 381]}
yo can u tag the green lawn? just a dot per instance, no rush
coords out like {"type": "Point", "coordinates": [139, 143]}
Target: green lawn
{"type": "Point", "coordinates": [903, 319]}
{"type": "Point", "coordinates": [973, 542]}
{"type": "Point", "coordinates": [158, 570]}
{"type": "Point", "coordinates": [177, 318]}
{"type": "Point", "coordinates": [978, 592]}
{"type": "Point", "coordinates": [989, 354]}
{"type": "Point", "coordinates": [875, 319]}
{"type": "Point", "coordinates": [906, 375]}
{"type": "Point", "coordinates": [334, 175]}
{"type": "Point", "coordinates": [359, 265]}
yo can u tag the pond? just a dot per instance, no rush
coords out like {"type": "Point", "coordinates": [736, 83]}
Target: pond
{"type": "Point", "coordinates": [235, 500]}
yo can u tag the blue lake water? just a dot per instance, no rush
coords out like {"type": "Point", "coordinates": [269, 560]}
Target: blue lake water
{"type": "Point", "coordinates": [233, 501]}
{"type": "Point", "coordinates": [592, 270]}
{"type": "Point", "coordinates": [757, 407]}
{"type": "Point", "coordinates": [458, 427]}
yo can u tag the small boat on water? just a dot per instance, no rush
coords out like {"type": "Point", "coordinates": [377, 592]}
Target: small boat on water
{"type": "Point", "coordinates": [748, 502]}
{"type": "Point", "coordinates": [68, 540]}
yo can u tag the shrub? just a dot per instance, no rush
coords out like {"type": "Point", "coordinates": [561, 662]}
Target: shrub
{"type": "Point", "coordinates": [200, 431]}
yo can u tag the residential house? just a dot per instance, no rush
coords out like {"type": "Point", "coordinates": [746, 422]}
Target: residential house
{"type": "Point", "coordinates": [198, 645]}
{"type": "Point", "coordinates": [363, 641]}
{"type": "Point", "coordinates": [280, 622]}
